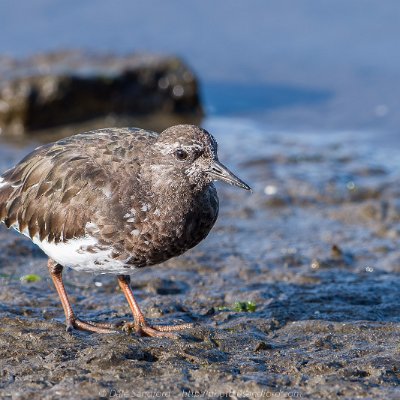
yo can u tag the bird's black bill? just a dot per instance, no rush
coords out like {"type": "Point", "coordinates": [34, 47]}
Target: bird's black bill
{"type": "Point", "coordinates": [221, 173]}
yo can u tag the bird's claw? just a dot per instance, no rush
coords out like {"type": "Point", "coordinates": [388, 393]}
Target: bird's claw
{"type": "Point", "coordinates": [90, 326]}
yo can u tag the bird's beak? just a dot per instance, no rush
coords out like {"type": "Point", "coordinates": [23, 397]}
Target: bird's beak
{"type": "Point", "coordinates": [221, 173]}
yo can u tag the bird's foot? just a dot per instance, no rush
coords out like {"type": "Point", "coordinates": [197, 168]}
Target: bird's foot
{"type": "Point", "coordinates": [91, 326]}
{"type": "Point", "coordinates": [144, 329]}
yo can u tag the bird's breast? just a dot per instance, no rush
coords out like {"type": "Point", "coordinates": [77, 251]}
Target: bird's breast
{"type": "Point", "coordinates": [160, 230]}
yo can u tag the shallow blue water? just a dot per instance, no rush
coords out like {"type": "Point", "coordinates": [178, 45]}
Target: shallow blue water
{"type": "Point", "coordinates": [294, 65]}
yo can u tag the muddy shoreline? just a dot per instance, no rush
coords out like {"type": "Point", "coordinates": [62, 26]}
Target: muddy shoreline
{"type": "Point", "coordinates": [315, 249]}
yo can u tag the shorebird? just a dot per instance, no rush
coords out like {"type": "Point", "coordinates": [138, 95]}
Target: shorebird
{"type": "Point", "coordinates": [113, 201]}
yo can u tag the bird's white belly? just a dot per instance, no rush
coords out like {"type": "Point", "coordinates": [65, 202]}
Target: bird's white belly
{"type": "Point", "coordinates": [74, 254]}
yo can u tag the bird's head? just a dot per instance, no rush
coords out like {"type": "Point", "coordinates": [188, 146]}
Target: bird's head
{"type": "Point", "coordinates": [192, 152]}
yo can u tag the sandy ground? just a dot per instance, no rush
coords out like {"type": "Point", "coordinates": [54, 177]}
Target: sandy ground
{"type": "Point", "coordinates": [315, 249]}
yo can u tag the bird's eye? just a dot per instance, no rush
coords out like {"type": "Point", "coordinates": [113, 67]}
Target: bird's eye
{"type": "Point", "coordinates": [181, 154]}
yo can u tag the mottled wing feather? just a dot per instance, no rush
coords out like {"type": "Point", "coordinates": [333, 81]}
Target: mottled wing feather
{"type": "Point", "coordinates": [35, 201]}
{"type": "Point", "coordinates": [55, 190]}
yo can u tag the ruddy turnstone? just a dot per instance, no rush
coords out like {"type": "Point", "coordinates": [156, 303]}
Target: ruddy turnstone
{"type": "Point", "coordinates": [113, 201]}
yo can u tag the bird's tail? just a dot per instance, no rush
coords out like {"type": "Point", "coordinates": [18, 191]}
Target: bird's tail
{"type": "Point", "coordinates": [5, 191]}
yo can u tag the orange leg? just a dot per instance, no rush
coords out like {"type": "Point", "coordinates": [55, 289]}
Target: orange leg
{"type": "Point", "coordinates": [140, 325]}
{"type": "Point", "coordinates": [71, 320]}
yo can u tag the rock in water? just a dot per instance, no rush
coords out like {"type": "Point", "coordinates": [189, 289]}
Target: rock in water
{"type": "Point", "coordinates": [56, 89]}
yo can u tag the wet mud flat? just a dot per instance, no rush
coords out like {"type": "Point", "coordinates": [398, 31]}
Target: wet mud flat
{"type": "Point", "coordinates": [295, 293]}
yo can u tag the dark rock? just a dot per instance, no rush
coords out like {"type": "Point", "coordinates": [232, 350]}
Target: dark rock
{"type": "Point", "coordinates": [56, 89]}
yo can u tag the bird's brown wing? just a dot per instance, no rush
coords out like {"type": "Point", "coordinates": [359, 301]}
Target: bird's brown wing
{"type": "Point", "coordinates": [54, 191]}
